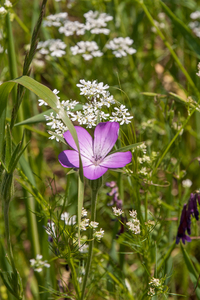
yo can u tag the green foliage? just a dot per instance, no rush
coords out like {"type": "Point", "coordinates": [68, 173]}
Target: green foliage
{"type": "Point", "coordinates": [159, 86]}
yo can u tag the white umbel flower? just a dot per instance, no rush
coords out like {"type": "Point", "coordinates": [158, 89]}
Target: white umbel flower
{"type": "Point", "coordinates": [67, 219]}
{"type": "Point", "coordinates": [87, 49]}
{"type": "Point", "coordinates": [117, 211]}
{"type": "Point", "coordinates": [37, 264]}
{"type": "Point", "coordinates": [121, 46]}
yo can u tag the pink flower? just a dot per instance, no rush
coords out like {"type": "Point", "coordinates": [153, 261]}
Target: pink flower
{"type": "Point", "coordinates": [94, 152]}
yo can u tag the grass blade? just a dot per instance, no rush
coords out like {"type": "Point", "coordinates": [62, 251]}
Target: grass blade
{"type": "Point", "coordinates": [5, 89]}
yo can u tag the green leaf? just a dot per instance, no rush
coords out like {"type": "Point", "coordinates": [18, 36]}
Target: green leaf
{"type": "Point", "coordinates": [36, 119]}
{"type": "Point", "coordinates": [194, 276]}
{"type": "Point", "coordinates": [33, 190]}
{"type": "Point", "coordinates": [5, 89]}
{"type": "Point", "coordinates": [16, 156]}
{"type": "Point", "coordinates": [8, 146]}
{"type": "Point", "coordinates": [185, 31]}
{"type": "Point", "coordinates": [153, 95]}
{"type": "Point", "coordinates": [3, 165]}
{"type": "Point", "coordinates": [130, 147]}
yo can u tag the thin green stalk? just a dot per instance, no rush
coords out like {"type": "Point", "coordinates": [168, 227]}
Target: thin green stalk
{"type": "Point", "coordinates": [146, 207]}
{"type": "Point", "coordinates": [13, 67]}
{"type": "Point", "coordinates": [7, 233]}
{"type": "Point", "coordinates": [167, 44]}
{"type": "Point", "coordinates": [74, 277]}
{"type": "Point", "coordinates": [91, 241]}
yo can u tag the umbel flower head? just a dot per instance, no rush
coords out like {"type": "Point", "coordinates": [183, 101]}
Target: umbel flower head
{"type": "Point", "coordinates": [94, 151]}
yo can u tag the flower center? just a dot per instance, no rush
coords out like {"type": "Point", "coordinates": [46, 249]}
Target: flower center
{"type": "Point", "coordinates": [97, 159]}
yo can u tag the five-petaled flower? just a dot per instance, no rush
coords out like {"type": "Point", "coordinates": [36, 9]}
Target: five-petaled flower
{"type": "Point", "coordinates": [94, 151]}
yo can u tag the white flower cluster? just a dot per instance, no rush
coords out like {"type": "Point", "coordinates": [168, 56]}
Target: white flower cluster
{"type": "Point", "coordinates": [121, 46]}
{"type": "Point", "coordinates": [67, 219]}
{"type": "Point", "coordinates": [144, 159]}
{"type": "Point", "coordinates": [98, 234]}
{"type": "Point", "coordinates": [37, 264]}
{"type": "Point", "coordinates": [87, 49]}
{"type": "Point", "coordinates": [52, 47]}
{"type": "Point", "coordinates": [142, 147]}
{"type": "Point", "coordinates": [155, 283]}
{"type": "Point", "coordinates": [50, 229]}
{"type": "Point", "coordinates": [98, 99]}
{"type": "Point", "coordinates": [85, 223]}
{"type": "Point", "coordinates": [95, 23]}
{"type": "Point", "coordinates": [3, 9]}
{"type": "Point", "coordinates": [55, 20]}
{"type": "Point", "coordinates": [186, 183]}
{"type": "Point", "coordinates": [117, 211]}
{"type": "Point", "coordinates": [70, 28]}
{"type": "Point", "coordinates": [55, 121]}
{"type": "Point", "coordinates": [195, 15]}
{"type": "Point", "coordinates": [134, 223]}
{"type": "Point", "coordinates": [161, 24]}
{"type": "Point", "coordinates": [195, 25]}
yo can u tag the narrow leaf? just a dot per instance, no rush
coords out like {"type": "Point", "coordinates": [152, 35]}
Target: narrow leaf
{"type": "Point", "coordinates": [5, 89]}
{"type": "Point", "coordinates": [130, 147]}
{"type": "Point", "coordinates": [153, 95]}
{"type": "Point", "coordinates": [36, 119]}
{"type": "Point", "coordinates": [8, 146]}
{"type": "Point", "coordinates": [32, 190]}
{"type": "Point", "coordinates": [15, 157]}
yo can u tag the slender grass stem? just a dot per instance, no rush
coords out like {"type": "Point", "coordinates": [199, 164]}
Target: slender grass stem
{"type": "Point", "coordinates": [13, 68]}
{"type": "Point", "coordinates": [91, 241]}
{"type": "Point", "coordinates": [7, 233]}
{"type": "Point", "coordinates": [74, 277]}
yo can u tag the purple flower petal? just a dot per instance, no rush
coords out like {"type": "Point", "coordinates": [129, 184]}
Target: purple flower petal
{"type": "Point", "coordinates": [105, 136]}
{"type": "Point", "coordinates": [85, 141]}
{"type": "Point", "coordinates": [70, 159]}
{"type": "Point", "coordinates": [93, 172]}
{"type": "Point", "coordinates": [117, 160]}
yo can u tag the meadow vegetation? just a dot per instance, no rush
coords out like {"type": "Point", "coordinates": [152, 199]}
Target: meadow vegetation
{"type": "Point", "coordinates": [99, 149]}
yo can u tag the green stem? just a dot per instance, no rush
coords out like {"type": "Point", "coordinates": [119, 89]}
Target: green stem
{"type": "Point", "coordinates": [13, 68]}
{"type": "Point", "coordinates": [7, 233]}
{"type": "Point", "coordinates": [167, 44]}
{"type": "Point", "coordinates": [74, 277]}
{"type": "Point", "coordinates": [91, 241]}
{"type": "Point", "coordinates": [146, 207]}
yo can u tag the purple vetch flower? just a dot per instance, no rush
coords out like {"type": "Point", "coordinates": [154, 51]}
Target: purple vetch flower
{"type": "Point", "coordinates": [188, 211]}
{"type": "Point", "coordinates": [94, 152]}
{"type": "Point", "coordinates": [184, 225]}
